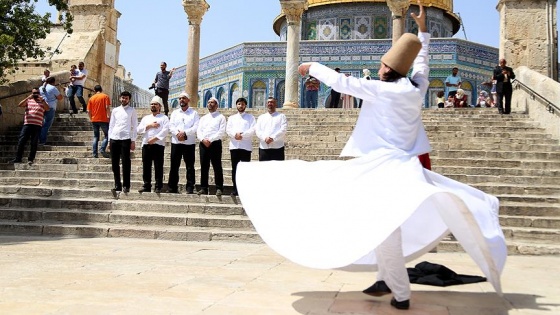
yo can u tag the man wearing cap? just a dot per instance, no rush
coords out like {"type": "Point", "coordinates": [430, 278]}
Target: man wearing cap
{"type": "Point", "coordinates": [211, 130]}
{"type": "Point", "coordinates": [182, 126]}
{"type": "Point", "coordinates": [392, 210]}
{"type": "Point", "coordinates": [155, 127]}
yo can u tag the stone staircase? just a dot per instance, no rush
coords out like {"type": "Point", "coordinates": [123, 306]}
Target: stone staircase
{"type": "Point", "coordinates": [66, 192]}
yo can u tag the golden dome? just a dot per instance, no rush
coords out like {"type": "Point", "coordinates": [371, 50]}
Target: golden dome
{"type": "Point", "coordinates": [445, 5]}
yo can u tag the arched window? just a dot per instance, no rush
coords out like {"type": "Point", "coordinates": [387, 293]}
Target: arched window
{"type": "Point", "coordinates": [281, 93]}
{"type": "Point", "coordinates": [435, 86]}
{"type": "Point", "coordinates": [207, 96]}
{"type": "Point", "coordinates": [221, 96]}
{"type": "Point", "coordinates": [258, 95]}
{"type": "Point", "coordinates": [235, 93]}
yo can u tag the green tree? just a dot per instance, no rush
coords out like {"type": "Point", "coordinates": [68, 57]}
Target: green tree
{"type": "Point", "coordinates": [21, 27]}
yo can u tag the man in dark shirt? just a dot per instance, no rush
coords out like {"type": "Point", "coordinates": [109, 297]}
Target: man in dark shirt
{"type": "Point", "coordinates": [161, 84]}
{"type": "Point", "coordinates": [503, 76]}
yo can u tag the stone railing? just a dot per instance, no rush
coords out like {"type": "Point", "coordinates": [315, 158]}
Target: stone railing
{"type": "Point", "coordinates": [539, 96]}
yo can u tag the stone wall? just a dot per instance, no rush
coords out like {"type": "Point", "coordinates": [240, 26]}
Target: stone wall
{"type": "Point", "coordinates": [524, 100]}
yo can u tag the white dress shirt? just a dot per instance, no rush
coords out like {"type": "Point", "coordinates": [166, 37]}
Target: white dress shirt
{"type": "Point", "coordinates": [241, 123]}
{"type": "Point", "coordinates": [186, 121]}
{"type": "Point", "coordinates": [159, 132]}
{"type": "Point", "coordinates": [123, 123]}
{"type": "Point", "coordinates": [273, 126]}
{"type": "Point", "coordinates": [211, 126]}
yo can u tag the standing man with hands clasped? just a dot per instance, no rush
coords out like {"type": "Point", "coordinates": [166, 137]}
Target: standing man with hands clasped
{"type": "Point", "coordinates": [240, 129]}
{"type": "Point", "coordinates": [211, 130]}
{"type": "Point", "coordinates": [155, 127]}
{"type": "Point", "coordinates": [271, 130]}
{"type": "Point", "coordinates": [182, 125]}
{"type": "Point", "coordinates": [122, 137]}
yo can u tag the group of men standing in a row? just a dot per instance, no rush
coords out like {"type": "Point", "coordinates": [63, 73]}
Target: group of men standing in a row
{"type": "Point", "coordinates": [185, 127]}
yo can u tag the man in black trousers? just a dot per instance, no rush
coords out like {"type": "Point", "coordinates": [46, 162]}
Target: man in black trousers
{"type": "Point", "coordinates": [503, 76]}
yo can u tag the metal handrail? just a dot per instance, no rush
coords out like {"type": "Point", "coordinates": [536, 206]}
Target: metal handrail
{"type": "Point", "coordinates": [27, 92]}
{"type": "Point", "coordinates": [551, 107]}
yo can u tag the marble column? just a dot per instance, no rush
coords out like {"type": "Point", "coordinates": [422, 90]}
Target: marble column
{"type": "Point", "coordinates": [398, 9]}
{"type": "Point", "coordinates": [293, 9]}
{"type": "Point", "coordinates": [195, 9]}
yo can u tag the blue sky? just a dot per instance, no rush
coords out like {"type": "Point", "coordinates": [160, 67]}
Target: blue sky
{"type": "Point", "coordinates": [155, 31]}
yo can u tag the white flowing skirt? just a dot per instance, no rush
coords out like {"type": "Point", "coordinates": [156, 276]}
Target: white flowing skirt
{"type": "Point", "coordinates": [331, 214]}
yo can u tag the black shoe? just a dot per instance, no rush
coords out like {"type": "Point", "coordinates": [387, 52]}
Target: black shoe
{"type": "Point", "coordinates": [158, 191]}
{"type": "Point", "coordinates": [403, 305]}
{"type": "Point", "coordinates": [190, 191]}
{"type": "Point", "coordinates": [105, 154]}
{"type": "Point", "coordinates": [233, 194]}
{"type": "Point", "coordinates": [202, 191]}
{"type": "Point", "coordinates": [115, 192]}
{"type": "Point", "coordinates": [219, 192]}
{"type": "Point", "coordinates": [30, 163]}
{"type": "Point", "coordinates": [126, 190]}
{"type": "Point", "coordinates": [144, 190]}
{"type": "Point", "coordinates": [378, 289]}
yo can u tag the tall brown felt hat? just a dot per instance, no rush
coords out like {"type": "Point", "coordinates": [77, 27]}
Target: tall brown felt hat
{"type": "Point", "coordinates": [401, 56]}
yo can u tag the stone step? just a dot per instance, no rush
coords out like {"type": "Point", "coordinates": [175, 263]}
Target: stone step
{"type": "Point", "coordinates": [514, 248]}
{"type": "Point", "coordinates": [494, 171]}
{"type": "Point", "coordinates": [533, 207]}
{"type": "Point", "coordinates": [134, 218]}
{"type": "Point", "coordinates": [530, 222]}
{"type": "Point", "coordinates": [495, 163]}
{"type": "Point", "coordinates": [186, 233]}
{"type": "Point", "coordinates": [502, 179]}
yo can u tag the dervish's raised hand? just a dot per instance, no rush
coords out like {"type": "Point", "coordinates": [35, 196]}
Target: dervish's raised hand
{"type": "Point", "coordinates": [420, 19]}
{"type": "Point", "coordinates": [303, 69]}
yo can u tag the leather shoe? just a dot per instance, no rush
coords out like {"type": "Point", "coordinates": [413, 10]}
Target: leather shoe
{"type": "Point", "coordinates": [202, 191]}
{"type": "Point", "coordinates": [190, 190]}
{"type": "Point", "coordinates": [144, 190]}
{"type": "Point", "coordinates": [157, 190]}
{"type": "Point", "coordinates": [403, 305]}
{"type": "Point", "coordinates": [379, 288]}
{"type": "Point", "coordinates": [218, 192]}
{"type": "Point", "coordinates": [126, 190]}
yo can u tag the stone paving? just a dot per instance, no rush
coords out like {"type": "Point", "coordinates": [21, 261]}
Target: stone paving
{"type": "Point", "coordinates": [41, 275]}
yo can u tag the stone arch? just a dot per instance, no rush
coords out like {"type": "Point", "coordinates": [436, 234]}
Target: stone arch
{"type": "Point", "coordinates": [435, 86]}
{"type": "Point", "coordinates": [258, 94]}
{"type": "Point", "coordinates": [234, 94]}
{"type": "Point", "coordinates": [207, 96]}
{"type": "Point", "coordinates": [467, 86]}
{"type": "Point", "coordinates": [221, 95]}
{"type": "Point", "coordinates": [280, 92]}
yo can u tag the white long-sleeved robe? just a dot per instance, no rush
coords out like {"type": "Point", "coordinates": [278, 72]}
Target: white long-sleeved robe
{"type": "Point", "coordinates": [331, 214]}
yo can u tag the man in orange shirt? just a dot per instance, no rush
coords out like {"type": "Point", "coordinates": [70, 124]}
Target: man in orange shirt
{"type": "Point", "coordinates": [99, 109]}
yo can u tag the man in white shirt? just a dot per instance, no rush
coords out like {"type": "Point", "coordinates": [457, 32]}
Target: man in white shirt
{"type": "Point", "coordinates": [211, 130]}
{"type": "Point", "coordinates": [78, 88]}
{"type": "Point", "coordinates": [240, 129]}
{"type": "Point", "coordinates": [122, 134]}
{"type": "Point", "coordinates": [271, 130]}
{"type": "Point", "coordinates": [182, 126]}
{"type": "Point", "coordinates": [154, 127]}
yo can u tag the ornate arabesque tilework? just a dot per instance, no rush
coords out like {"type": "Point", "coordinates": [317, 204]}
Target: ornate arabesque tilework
{"type": "Point", "coordinates": [246, 63]}
{"type": "Point", "coordinates": [345, 28]}
{"type": "Point", "coordinates": [362, 27]}
{"type": "Point", "coordinates": [327, 29]}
